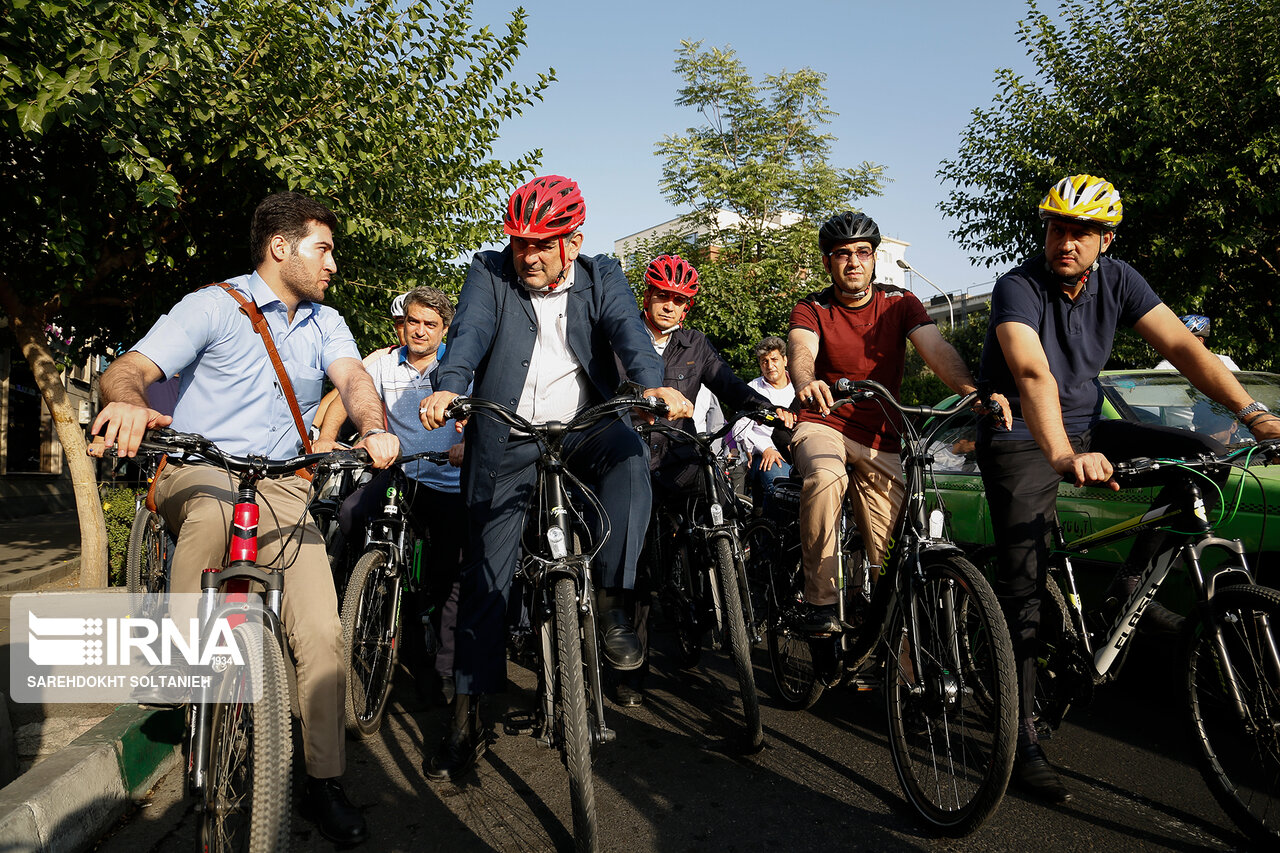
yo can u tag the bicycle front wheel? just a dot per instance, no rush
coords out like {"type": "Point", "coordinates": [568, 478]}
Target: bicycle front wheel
{"type": "Point", "coordinates": [371, 635]}
{"type": "Point", "coordinates": [952, 698]}
{"type": "Point", "coordinates": [790, 654]}
{"type": "Point", "coordinates": [1240, 744]}
{"type": "Point", "coordinates": [571, 710]}
{"type": "Point", "coordinates": [739, 645]}
{"type": "Point", "coordinates": [246, 802]}
{"type": "Point", "coordinates": [144, 563]}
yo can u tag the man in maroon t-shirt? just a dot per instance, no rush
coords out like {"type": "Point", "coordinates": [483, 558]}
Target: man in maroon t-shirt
{"type": "Point", "coordinates": [859, 330]}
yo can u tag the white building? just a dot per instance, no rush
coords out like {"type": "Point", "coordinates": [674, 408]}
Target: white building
{"type": "Point", "coordinates": [887, 256]}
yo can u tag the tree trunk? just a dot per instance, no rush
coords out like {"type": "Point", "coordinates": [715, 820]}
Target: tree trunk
{"type": "Point", "coordinates": [28, 328]}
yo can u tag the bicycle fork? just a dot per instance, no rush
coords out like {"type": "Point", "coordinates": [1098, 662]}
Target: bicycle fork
{"type": "Point", "coordinates": [1204, 605]}
{"type": "Point", "coordinates": [235, 581]}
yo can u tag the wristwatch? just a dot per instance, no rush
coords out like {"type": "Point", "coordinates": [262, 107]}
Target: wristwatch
{"type": "Point", "coordinates": [1250, 409]}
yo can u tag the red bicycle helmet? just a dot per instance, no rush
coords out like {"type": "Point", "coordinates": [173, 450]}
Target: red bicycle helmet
{"type": "Point", "coordinates": [673, 273]}
{"type": "Point", "coordinates": [549, 206]}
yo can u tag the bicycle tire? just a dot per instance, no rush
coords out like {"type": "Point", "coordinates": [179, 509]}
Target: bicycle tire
{"type": "Point", "coordinates": [1240, 763]}
{"type": "Point", "coordinates": [575, 731]}
{"type": "Point", "coordinates": [796, 684]}
{"type": "Point", "coordinates": [952, 741]}
{"type": "Point", "coordinates": [145, 561]}
{"type": "Point", "coordinates": [739, 645]}
{"type": "Point", "coordinates": [246, 801]}
{"type": "Point", "coordinates": [682, 602]}
{"type": "Point", "coordinates": [371, 639]}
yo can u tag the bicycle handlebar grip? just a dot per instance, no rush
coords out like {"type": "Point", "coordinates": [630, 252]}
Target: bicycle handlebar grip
{"type": "Point", "coordinates": [1271, 450]}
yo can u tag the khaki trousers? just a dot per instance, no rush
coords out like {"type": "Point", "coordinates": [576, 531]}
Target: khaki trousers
{"type": "Point", "coordinates": [196, 502]}
{"type": "Point", "coordinates": [821, 454]}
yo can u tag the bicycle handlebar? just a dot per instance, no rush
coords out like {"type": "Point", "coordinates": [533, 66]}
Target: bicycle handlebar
{"type": "Point", "coordinates": [768, 417]}
{"type": "Point", "coordinates": [867, 389]}
{"type": "Point", "coordinates": [1132, 473]}
{"type": "Point", "coordinates": [464, 407]}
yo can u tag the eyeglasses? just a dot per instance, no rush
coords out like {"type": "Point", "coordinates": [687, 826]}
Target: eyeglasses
{"type": "Point", "coordinates": [844, 255]}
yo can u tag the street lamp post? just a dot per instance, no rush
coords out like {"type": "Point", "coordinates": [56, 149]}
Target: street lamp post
{"type": "Point", "coordinates": [951, 310]}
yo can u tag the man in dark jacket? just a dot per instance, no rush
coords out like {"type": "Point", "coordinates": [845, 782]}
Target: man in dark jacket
{"type": "Point", "coordinates": [690, 362]}
{"type": "Point", "coordinates": [537, 329]}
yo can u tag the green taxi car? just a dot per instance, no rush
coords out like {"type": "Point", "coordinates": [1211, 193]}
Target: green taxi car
{"type": "Point", "coordinates": [1248, 507]}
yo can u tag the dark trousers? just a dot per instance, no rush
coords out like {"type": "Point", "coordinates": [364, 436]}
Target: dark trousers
{"type": "Point", "coordinates": [614, 462]}
{"type": "Point", "coordinates": [1022, 491]}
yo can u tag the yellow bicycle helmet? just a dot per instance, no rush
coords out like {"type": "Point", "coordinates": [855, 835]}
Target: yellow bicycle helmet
{"type": "Point", "coordinates": [1084, 198]}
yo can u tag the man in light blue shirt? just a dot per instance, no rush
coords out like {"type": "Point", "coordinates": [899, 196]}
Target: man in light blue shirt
{"type": "Point", "coordinates": [230, 393]}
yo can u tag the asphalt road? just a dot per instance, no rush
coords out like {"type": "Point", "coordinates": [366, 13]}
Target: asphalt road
{"type": "Point", "coordinates": [824, 782]}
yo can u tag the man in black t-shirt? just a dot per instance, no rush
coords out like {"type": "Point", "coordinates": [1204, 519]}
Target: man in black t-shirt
{"type": "Point", "coordinates": [1053, 321]}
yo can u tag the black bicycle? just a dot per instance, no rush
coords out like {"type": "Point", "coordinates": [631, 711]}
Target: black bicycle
{"type": "Point", "coordinates": [389, 566]}
{"type": "Point", "coordinates": [149, 553]}
{"type": "Point", "coordinates": [930, 624]}
{"type": "Point", "coordinates": [1231, 644]}
{"type": "Point", "coordinates": [695, 558]}
{"type": "Point", "coordinates": [555, 576]}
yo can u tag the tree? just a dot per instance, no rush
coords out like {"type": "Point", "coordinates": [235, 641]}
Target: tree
{"type": "Point", "coordinates": [756, 179]}
{"type": "Point", "coordinates": [1176, 102]}
{"type": "Point", "coordinates": [137, 137]}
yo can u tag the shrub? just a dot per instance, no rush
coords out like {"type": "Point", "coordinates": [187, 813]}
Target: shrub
{"type": "Point", "coordinates": [118, 508]}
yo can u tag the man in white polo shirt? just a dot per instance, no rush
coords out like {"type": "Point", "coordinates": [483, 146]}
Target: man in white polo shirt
{"type": "Point", "coordinates": [403, 380]}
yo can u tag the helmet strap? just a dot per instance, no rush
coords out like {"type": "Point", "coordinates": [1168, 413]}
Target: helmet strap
{"type": "Point", "coordinates": [564, 267]}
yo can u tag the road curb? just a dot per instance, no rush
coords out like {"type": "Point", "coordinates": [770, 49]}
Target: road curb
{"type": "Point", "coordinates": [32, 579]}
{"type": "Point", "coordinates": [67, 801]}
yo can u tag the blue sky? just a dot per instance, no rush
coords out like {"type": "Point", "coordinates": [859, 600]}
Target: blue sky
{"type": "Point", "coordinates": [903, 75]}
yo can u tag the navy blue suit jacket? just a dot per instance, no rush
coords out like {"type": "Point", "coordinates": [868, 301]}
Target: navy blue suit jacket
{"type": "Point", "coordinates": [491, 340]}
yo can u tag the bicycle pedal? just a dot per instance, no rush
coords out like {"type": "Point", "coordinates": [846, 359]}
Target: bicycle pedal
{"type": "Point", "coordinates": [519, 724]}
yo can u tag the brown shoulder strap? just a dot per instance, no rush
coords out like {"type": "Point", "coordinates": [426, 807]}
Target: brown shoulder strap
{"type": "Point", "coordinates": [250, 309]}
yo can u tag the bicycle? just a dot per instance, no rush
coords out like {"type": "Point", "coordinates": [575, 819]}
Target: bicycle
{"type": "Point", "coordinates": [390, 563]}
{"type": "Point", "coordinates": [555, 576]}
{"type": "Point", "coordinates": [931, 624]}
{"type": "Point", "coordinates": [696, 563]}
{"type": "Point", "coordinates": [1231, 642]}
{"type": "Point", "coordinates": [331, 486]}
{"type": "Point", "coordinates": [150, 550]}
{"type": "Point", "coordinates": [239, 751]}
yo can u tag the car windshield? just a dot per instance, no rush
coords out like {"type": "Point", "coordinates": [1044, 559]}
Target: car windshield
{"type": "Point", "coordinates": [1169, 399]}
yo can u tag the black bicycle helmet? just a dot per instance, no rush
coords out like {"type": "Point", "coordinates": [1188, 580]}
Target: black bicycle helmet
{"type": "Point", "coordinates": [847, 227]}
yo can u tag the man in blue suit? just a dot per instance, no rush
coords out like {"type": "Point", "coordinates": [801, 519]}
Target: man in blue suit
{"type": "Point", "coordinates": [537, 330]}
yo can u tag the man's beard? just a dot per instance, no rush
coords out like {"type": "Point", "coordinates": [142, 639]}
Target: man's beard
{"type": "Point", "coordinates": [295, 277]}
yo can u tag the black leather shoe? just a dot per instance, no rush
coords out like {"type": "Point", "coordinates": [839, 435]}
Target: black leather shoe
{"type": "Point", "coordinates": [1037, 777]}
{"type": "Point", "coordinates": [619, 642]}
{"type": "Point", "coordinates": [460, 748]}
{"type": "Point", "coordinates": [628, 692]}
{"type": "Point", "coordinates": [325, 802]}
{"type": "Point", "coordinates": [816, 619]}
{"type": "Point", "coordinates": [1158, 619]}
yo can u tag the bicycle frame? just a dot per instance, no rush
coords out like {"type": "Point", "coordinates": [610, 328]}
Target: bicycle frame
{"type": "Point", "coordinates": [235, 579]}
{"type": "Point", "coordinates": [1186, 508]}
{"type": "Point", "coordinates": [706, 519]}
{"type": "Point", "coordinates": [902, 560]}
